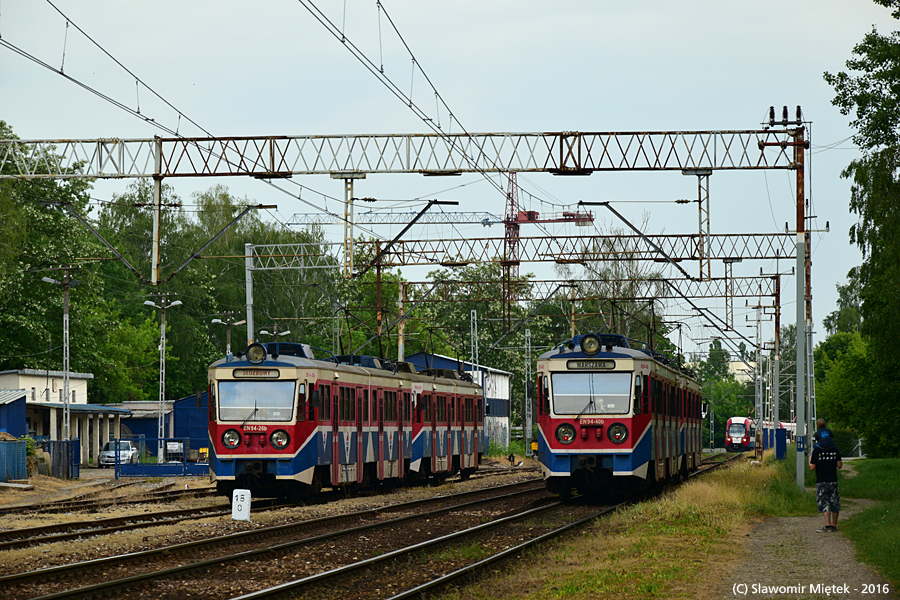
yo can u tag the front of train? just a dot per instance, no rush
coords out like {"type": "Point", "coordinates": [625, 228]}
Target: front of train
{"type": "Point", "coordinates": [738, 435]}
{"type": "Point", "coordinates": [592, 433]}
{"type": "Point", "coordinates": [261, 421]}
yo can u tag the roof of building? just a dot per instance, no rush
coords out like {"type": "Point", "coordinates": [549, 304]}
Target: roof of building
{"type": "Point", "coordinates": [84, 408]}
{"type": "Point", "coordinates": [7, 396]}
{"type": "Point", "coordinates": [44, 373]}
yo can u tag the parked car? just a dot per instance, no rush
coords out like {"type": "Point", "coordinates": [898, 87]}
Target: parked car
{"type": "Point", "coordinates": [128, 453]}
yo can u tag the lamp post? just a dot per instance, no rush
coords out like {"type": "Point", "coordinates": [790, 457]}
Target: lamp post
{"type": "Point", "coordinates": [66, 284]}
{"type": "Point", "coordinates": [229, 321]}
{"type": "Point", "coordinates": [162, 368]}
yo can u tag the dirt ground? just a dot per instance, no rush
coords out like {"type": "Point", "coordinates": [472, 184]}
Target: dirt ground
{"type": "Point", "coordinates": [784, 557]}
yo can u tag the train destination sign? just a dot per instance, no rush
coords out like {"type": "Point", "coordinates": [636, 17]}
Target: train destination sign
{"type": "Point", "coordinates": [255, 373]}
{"type": "Point", "coordinates": [573, 365]}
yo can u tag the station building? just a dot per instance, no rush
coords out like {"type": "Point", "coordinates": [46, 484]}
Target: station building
{"type": "Point", "coordinates": [42, 417]}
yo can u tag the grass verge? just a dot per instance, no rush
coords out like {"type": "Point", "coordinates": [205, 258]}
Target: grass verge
{"type": "Point", "coordinates": [667, 548]}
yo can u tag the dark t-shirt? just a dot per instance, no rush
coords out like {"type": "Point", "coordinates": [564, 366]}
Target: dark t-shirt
{"type": "Point", "coordinates": [826, 464]}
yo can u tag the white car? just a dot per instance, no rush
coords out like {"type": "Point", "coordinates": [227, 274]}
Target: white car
{"type": "Point", "coordinates": [128, 453]}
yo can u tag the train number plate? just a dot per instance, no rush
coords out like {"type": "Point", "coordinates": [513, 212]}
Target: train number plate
{"type": "Point", "coordinates": [255, 428]}
{"type": "Point", "coordinates": [590, 421]}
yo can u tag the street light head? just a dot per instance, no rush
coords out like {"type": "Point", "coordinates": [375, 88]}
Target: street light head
{"type": "Point", "coordinates": [49, 280]}
{"type": "Point", "coordinates": [264, 332]}
{"type": "Point", "coordinates": [241, 322]}
{"type": "Point", "coordinates": [284, 333]}
{"type": "Point", "coordinates": [219, 321]}
{"type": "Point", "coordinates": [74, 282]}
{"type": "Point", "coordinates": [150, 303]}
{"type": "Point", "coordinates": [176, 303]}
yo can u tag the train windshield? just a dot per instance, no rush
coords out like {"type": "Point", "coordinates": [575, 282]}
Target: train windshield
{"type": "Point", "coordinates": [736, 430]}
{"type": "Point", "coordinates": [247, 401]}
{"type": "Point", "coordinates": [591, 393]}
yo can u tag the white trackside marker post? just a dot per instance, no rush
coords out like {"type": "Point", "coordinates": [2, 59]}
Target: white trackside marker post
{"type": "Point", "coordinates": [240, 505]}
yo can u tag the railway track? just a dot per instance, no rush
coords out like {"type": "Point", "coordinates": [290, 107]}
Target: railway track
{"type": "Point", "coordinates": [79, 503]}
{"type": "Point", "coordinates": [120, 575]}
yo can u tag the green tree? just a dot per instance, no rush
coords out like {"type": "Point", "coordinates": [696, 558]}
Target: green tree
{"type": "Point", "coordinates": [870, 91]}
{"type": "Point", "coordinates": [847, 318]}
{"type": "Point", "coordinates": [715, 367]}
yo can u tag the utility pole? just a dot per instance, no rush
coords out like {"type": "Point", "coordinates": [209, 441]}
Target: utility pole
{"type": "Point", "coordinates": [528, 416]}
{"type": "Point", "coordinates": [66, 284]}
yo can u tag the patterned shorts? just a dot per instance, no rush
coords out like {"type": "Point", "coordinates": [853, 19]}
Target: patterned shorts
{"type": "Point", "coordinates": [827, 497]}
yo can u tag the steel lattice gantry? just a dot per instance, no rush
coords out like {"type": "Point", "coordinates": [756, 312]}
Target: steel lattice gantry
{"type": "Point", "coordinates": [282, 156]}
{"type": "Point", "coordinates": [578, 249]}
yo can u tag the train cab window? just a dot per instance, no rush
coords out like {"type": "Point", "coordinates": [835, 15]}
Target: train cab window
{"type": "Point", "coordinates": [212, 401]}
{"type": "Point", "coordinates": [301, 402]}
{"type": "Point", "coordinates": [544, 391]}
{"type": "Point", "coordinates": [638, 393]}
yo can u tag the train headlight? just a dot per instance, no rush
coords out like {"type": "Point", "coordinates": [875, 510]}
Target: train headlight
{"type": "Point", "coordinates": [256, 353]}
{"type": "Point", "coordinates": [590, 344]}
{"type": "Point", "coordinates": [280, 439]}
{"type": "Point", "coordinates": [565, 433]}
{"type": "Point", "coordinates": [231, 438]}
{"type": "Point", "coordinates": [617, 433]}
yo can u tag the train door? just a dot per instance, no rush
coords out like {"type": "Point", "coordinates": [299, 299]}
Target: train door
{"type": "Point", "coordinates": [402, 418]}
{"type": "Point", "coordinates": [656, 420]}
{"type": "Point", "coordinates": [335, 435]}
{"type": "Point", "coordinates": [361, 398]}
{"type": "Point", "coordinates": [381, 441]}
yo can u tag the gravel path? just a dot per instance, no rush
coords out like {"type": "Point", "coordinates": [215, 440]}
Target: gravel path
{"type": "Point", "coordinates": [786, 553]}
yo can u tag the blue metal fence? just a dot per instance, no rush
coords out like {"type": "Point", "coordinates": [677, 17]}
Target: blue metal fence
{"type": "Point", "coordinates": [65, 458]}
{"type": "Point", "coordinates": [179, 459]}
{"type": "Point", "coordinates": [12, 461]}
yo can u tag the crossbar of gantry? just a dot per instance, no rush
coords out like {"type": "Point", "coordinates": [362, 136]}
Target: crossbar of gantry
{"type": "Point", "coordinates": [584, 249]}
{"type": "Point", "coordinates": [592, 289]}
{"type": "Point", "coordinates": [575, 153]}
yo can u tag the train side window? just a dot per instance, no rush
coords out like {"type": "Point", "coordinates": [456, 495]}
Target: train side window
{"type": "Point", "coordinates": [365, 406]}
{"type": "Point", "coordinates": [326, 403]}
{"type": "Point", "coordinates": [406, 418]}
{"type": "Point", "coordinates": [645, 396]}
{"type": "Point", "coordinates": [545, 394]}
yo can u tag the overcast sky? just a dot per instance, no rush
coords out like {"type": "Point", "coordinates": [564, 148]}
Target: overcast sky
{"type": "Point", "coordinates": [270, 68]}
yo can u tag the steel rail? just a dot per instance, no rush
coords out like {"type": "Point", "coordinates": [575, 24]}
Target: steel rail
{"type": "Point", "coordinates": [290, 588]}
{"type": "Point", "coordinates": [254, 535]}
{"type": "Point", "coordinates": [419, 591]}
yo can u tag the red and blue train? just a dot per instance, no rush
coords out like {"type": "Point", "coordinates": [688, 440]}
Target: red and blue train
{"type": "Point", "coordinates": [614, 415]}
{"type": "Point", "coordinates": [283, 423]}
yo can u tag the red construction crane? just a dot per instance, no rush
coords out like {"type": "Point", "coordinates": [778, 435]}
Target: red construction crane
{"type": "Point", "coordinates": [515, 217]}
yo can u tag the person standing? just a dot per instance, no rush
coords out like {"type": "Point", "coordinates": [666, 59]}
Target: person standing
{"type": "Point", "coordinates": [825, 460]}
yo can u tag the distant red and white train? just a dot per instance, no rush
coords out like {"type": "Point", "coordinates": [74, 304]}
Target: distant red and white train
{"type": "Point", "coordinates": [612, 415]}
{"type": "Point", "coordinates": [740, 433]}
{"type": "Point", "coordinates": [284, 423]}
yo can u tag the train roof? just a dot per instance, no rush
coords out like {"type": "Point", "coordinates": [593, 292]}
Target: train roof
{"type": "Point", "coordinates": [296, 356]}
{"type": "Point", "coordinates": [612, 345]}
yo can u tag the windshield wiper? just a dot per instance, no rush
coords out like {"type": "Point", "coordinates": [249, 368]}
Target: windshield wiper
{"type": "Point", "coordinates": [589, 404]}
{"type": "Point", "coordinates": [255, 410]}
